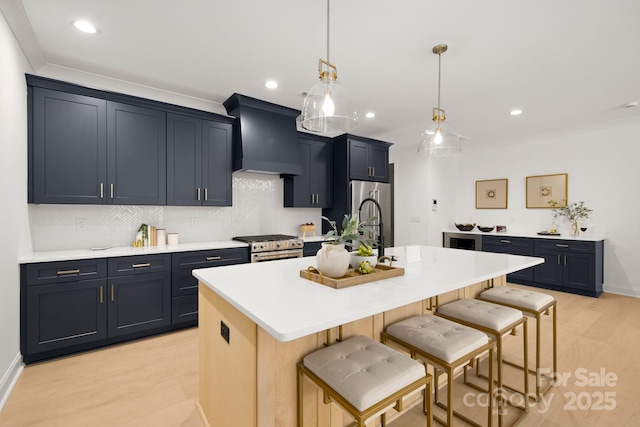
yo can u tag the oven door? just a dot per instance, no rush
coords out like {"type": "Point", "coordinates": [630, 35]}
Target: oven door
{"type": "Point", "coordinates": [273, 255]}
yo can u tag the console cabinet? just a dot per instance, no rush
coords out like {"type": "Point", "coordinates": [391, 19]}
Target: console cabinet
{"type": "Point", "coordinates": [574, 266]}
{"type": "Point", "coordinates": [514, 246]}
{"type": "Point", "coordinates": [312, 188]}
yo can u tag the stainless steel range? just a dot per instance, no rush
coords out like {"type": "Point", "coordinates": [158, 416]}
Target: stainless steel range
{"type": "Point", "coordinates": [272, 246]}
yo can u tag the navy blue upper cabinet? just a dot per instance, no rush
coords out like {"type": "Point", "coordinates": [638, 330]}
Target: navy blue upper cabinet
{"type": "Point", "coordinates": [136, 155]}
{"type": "Point", "coordinates": [68, 135]}
{"type": "Point", "coordinates": [199, 161]}
{"type": "Point", "coordinates": [368, 160]}
{"type": "Point", "coordinates": [88, 146]}
{"type": "Point", "coordinates": [312, 188]}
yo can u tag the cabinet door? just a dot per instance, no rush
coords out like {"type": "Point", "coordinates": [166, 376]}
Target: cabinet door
{"type": "Point", "coordinates": [322, 173]}
{"type": "Point", "coordinates": [136, 155]}
{"type": "Point", "coordinates": [138, 303]}
{"type": "Point", "coordinates": [359, 167]}
{"type": "Point", "coordinates": [297, 188]}
{"type": "Point", "coordinates": [579, 271]}
{"type": "Point", "coordinates": [550, 272]}
{"type": "Point", "coordinates": [379, 161]}
{"type": "Point", "coordinates": [184, 163]}
{"type": "Point", "coordinates": [65, 314]}
{"type": "Point", "coordinates": [69, 148]}
{"type": "Point", "coordinates": [216, 163]}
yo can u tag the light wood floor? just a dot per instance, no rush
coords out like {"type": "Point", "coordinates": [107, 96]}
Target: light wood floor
{"type": "Point", "coordinates": [154, 382]}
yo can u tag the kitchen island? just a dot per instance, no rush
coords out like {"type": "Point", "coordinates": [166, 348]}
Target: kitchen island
{"type": "Point", "coordinates": [258, 320]}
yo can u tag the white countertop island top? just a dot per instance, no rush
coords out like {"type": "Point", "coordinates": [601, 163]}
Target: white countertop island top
{"type": "Point", "coordinates": [275, 297]}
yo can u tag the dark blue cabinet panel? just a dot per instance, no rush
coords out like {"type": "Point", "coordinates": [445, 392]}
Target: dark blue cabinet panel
{"type": "Point", "coordinates": [63, 315]}
{"type": "Point", "coordinates": [312, 188]}
{"type": "Point", "coordinates": [199, 162]}
{"type": "Point", "coordinates": [368, 160]}
{"type": "Point", "coordinates": [69, 142]}
{"type": "Point", "coordinates": [514, 246]}
{"type": "Point", "coordinates": [136, 155]}
{"type": "Point", "coordinates": [139, 302]}
{"type": "Point", "coordinates": [311, 248]}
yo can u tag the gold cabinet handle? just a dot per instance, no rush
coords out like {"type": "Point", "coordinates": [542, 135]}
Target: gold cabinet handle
{"type": "Point", "coordinates": [101, 295]}
{"type": "Point", "coordinates": [113, 293]}
{"type": "Point", "coordinates": [373, 171]}
{"type": "Point", "coordinates": [63, 272]}
{"type": "Point", "coordinates": [111, 190]}
{"type": "Point", "coordinates": [505, 241]}
{"type": "Point", "coordinates": [198, 192]}
{"type": "Point", "coordinates": [146, 264]}
{"type": "Point", "coordinates": [102, 190]}
{"type": "Point", "coordinates": [213, 258]}
{"type": "Point", "coordinates": [206, 194]}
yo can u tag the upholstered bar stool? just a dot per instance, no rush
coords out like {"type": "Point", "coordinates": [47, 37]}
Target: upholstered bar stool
{"type": "Point", "coordinates": [446, 346]}
{"type": "Point", "coordinates": [366, 378]}
{"type": "Point", "coordinates": [496, 321]}
{"type": "Point", "coordinates": [532, 304]}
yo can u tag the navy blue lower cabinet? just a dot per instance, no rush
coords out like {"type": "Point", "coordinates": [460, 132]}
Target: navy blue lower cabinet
{"type": "Point", "coordinates": [311, 248]}
{"type": "Point", "coordinates": [139, 302]}
{"type": "Point", "coordinates": [574, 266]}
{"type": "Point", "coordinates": [65, 314]}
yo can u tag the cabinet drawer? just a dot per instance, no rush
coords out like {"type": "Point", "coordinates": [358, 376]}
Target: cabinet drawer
{"type": "Point", "coordinates": [66, 271]}
{"type": "Point", "coordinates": [565, 245]}
{"type": "Point", "coordinates": [210, 258]}
{"type": "Point", "coordinates": [508, 244]}
{"type": "Point", "coordinates": [183, 283]}
{"type": "Point", "coordinates": [184, 309]}
{"type": "Point", "coordinates": [139, 264]}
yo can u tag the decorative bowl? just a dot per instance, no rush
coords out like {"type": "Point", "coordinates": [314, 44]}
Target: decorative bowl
{"type": "Point", "coordinates": [486, 228]}
{"type": "Point", "coordinates": [357, 259]}
{"type": "Point", "coordinates": [465, 227]}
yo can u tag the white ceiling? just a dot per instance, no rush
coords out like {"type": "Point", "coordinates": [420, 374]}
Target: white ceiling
{"type": "Point", "coordinates": [567, 63]}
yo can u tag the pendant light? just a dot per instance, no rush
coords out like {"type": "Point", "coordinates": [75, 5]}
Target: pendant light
{"type": "Point", "coordinates": [327, 107]}
{"type": "Point", "coordinates": [440, 139]}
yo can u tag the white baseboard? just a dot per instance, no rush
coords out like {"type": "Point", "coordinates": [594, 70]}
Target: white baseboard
{"type": "Point", "coordinates": [621, 291]}
{"type": "Point", "coordinates": [9, 379]}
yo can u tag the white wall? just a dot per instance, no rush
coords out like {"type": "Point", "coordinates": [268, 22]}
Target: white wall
{"type": "Point", "coordinates": [16, 239]}
{"type": "Point", "coordinates": [603, 170]}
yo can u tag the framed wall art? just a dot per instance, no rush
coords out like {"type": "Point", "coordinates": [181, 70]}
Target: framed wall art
{"type": "Point", "coordinates": [543, 188]}
{"type": "Point", "coordinates": [492, 194]}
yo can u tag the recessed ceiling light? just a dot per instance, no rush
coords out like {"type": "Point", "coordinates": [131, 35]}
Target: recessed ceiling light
{"type": "Point", "coordinates": [516, 112]}
{"type": "Point", "coordinates": [370, 115]}
{"type": "Point", "coordinates": [271, 84]}
{"type": "Point", "coordinates": [85, 26]}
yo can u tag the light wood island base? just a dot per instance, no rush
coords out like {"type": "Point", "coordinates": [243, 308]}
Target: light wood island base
{"type": "Point", "coordinates": [251, 381]}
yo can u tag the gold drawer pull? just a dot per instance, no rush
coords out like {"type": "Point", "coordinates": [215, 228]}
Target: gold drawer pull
{"type": "Point", "coordinates": [60, 273]}
{"type": "Point", "coordinates": [146, 264]}
{"type": "Point", "coordinates": [214, 258]}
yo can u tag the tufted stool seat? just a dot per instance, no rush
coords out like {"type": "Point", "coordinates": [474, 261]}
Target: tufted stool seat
{"type": "Point", "coordinates": [445, 345]}
{"type": "Point", "coordinates": [533, 304]}
{"type": "Point", "coordinates": [496, 321]}
{"type": "Point", "coordinates": [365, 377]}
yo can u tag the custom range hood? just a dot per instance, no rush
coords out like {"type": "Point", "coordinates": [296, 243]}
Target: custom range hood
{"type": "Point", "coordinates": [267, 140]}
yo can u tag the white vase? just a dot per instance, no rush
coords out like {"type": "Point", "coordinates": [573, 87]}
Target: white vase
{"type": "Point", "coordinates": [333, 260]}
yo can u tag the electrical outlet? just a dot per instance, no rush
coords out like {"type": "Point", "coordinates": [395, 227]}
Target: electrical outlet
{"type": "Point", "coordinates": [194, 221]}
{"type": "Point", "coordinates": [81, 223]}
{"type": "Point", "coordinates": [434, 205]}
{"type": "Point", "coordinates": [224, 331]}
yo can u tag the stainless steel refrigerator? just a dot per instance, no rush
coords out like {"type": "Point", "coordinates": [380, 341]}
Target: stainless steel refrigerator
{"type": "Point", "coordinates": [381, 193]}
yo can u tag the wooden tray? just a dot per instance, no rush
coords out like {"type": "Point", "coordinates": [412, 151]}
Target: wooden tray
{"type": "Point", "coordinates": [352, 277]}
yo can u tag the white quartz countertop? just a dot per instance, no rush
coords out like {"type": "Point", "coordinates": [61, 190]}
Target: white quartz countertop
{"type": "Point", "coordinates": [73, 254]}
{"type": "Point", "coordinates": [275, 297]}
{"type": "Point", "coordinates": [586, 236]}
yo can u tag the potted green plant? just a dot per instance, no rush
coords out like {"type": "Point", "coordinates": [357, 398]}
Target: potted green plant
{"type": "Point", "coordinates": [574, 212]}
{"type": "Point", "coordinates": [333, 259]}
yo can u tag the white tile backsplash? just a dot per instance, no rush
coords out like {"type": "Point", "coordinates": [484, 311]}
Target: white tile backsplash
{"type": "Point", "coordinates": [257, 209]}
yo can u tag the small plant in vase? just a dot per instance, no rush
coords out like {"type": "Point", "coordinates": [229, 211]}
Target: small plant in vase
{"type": "Point", "coordinates": [574, 212]}
{"type": "Point", "coordinates": [333, 258]}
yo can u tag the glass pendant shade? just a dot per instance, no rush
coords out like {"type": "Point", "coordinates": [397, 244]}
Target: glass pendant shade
{"type": "Point", "coordinates": [327, 108]}
{"type": "Point", "coordinates": [439, 140]}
